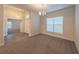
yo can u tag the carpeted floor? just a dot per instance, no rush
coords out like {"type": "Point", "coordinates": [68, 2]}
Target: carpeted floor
{"type": "Point", "coordinates": [20, 43]}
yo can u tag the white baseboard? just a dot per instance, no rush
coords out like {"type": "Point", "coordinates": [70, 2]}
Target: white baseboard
{"type": "Point", "coordinates": [30, 35]}
{"type": "Point", "coordinates": [59, 36]}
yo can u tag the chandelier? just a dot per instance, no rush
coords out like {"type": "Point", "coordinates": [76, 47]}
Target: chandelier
{"type": "Point", "coordinates": [42, 11]}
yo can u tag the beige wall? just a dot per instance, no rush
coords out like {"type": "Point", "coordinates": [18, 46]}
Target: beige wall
{"type": "Point", "coordinates": [13, 12]}
{"type": "Point", "coordinates": [27, 22]}
{"type": "Point", "coordinates": [34, 23]}
{"type": "Point", "coordinates": [68, 27]}
{"type": "Point", "coordinates": [77, 26]}
{"type": "Point", "coordinates": [1, 26]}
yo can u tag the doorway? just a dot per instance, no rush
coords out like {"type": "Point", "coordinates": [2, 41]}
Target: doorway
{"type": "Point", "coordinates": [13, 26]}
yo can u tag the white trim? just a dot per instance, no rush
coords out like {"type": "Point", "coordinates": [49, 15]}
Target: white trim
{"type": "Point", "coordinates": [63, 37]}
{"type": "Point", "coordinates": [30, 35]}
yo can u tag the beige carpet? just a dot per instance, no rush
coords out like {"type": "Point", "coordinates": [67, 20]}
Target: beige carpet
{"type": "Point", "coordinates": [20, 43]}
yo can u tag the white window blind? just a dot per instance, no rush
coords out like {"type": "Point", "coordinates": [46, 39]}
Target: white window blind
{"type": "Point", "coordinates": [55, 24]}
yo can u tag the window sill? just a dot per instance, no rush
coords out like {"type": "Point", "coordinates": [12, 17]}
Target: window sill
{"type": "Point", "coordinates": [55, 33]}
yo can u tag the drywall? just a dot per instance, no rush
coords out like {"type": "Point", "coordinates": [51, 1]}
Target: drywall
{"type": "Point", "coordinates": [27, 22]}
{"type": "Point", "coordinates": [34, 23]}
{"type": "Point", "coordinates": [77, 26]}
{"type": "Point", "coordinates": [68, 26]}
{"type": "Point", "coordinates": [1, 26]}
{"type": "Point", "coordinates": [13, 12]}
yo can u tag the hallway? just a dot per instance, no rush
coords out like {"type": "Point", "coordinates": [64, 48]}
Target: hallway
{"type": "Point", "coordinates": [22, 43]}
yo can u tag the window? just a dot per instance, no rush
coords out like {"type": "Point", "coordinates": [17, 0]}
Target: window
{"type": "Point", "coordinates": [55, 24]}
{"type": "Point", "coordinates": [49, 25]}
{"type": "Point", "coordinates": [9, 25]}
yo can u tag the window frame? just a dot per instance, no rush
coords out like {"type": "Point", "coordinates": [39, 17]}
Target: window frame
{"type": "Point", "coordinates": [54, 27]}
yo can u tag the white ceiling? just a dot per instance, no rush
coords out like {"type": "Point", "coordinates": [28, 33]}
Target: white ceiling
{"type": "Point", "coordinates": [37, 7]}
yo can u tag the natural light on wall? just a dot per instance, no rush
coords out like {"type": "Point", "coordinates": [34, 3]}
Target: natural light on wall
{"type": "Point", "coordinates": [18, 17]}
{"type": "Point", "coordinates": [27, 16]}
{"type": "Point", "coordinates": [55, 24]}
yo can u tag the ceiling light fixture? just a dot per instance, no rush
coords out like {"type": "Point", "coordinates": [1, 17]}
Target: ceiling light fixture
{"type": "Point", "coordinates": [39, 13]}
{"type": "Point", "coordinates": [42, 11]}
